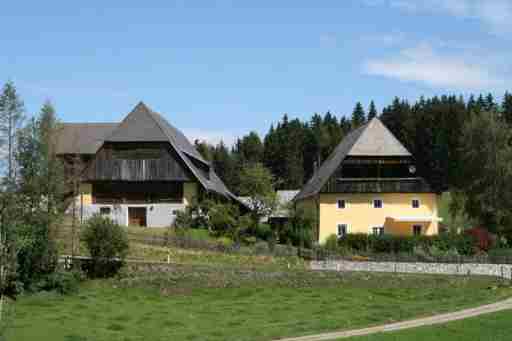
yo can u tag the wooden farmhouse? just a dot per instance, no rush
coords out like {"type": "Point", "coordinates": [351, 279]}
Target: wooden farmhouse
{"type": "Point", "coordinates": [141, 171]}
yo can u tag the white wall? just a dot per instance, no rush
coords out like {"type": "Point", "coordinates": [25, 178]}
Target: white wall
{"type": "Point", "coordinates": [158, 215]}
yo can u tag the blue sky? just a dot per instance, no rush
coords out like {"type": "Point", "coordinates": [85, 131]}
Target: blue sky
{"type": "Point", "coordinates": [218, 69]}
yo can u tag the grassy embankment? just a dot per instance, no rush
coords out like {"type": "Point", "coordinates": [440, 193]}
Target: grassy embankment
{"type": "Point", "coordinates": [240, 304]}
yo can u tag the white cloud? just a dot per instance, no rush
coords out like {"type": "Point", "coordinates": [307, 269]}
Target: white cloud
{"type": "Point", "coordinates": [211, 136]}
{"type": "Point", "coordinates": [425, 65]}
{"type": "Point", "coordinates": [495, 14]}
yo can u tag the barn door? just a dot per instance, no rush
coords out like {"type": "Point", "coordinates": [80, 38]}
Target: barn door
{"type": "Point", "coordinates": [137, 216]}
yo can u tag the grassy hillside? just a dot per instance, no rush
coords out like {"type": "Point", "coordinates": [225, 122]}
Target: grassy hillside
{"type": "Point", "coordinates": [237, 305]}
{"type": "Point", "coordinates": [492, 327]}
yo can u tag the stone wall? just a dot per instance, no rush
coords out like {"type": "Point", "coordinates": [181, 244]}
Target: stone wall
{"type": "Point", "coordinates": [469, 269]}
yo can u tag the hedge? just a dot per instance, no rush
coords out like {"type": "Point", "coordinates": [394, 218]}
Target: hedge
{"type": "Point", "coordinates": [360, 242]}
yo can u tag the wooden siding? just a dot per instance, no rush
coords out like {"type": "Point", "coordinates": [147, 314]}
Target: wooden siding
{"type": "Point", "coordinates": [137, 192]}
{"type": "Point", "coordinates": [413, 185]}
{"type": "Point", "coordinates": [106, 166]}
{"type": "Point", "coordinates": [392, 177]}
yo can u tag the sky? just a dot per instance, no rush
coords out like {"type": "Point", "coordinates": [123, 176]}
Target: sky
{"type": "Point", "coordinates": [219, 69]}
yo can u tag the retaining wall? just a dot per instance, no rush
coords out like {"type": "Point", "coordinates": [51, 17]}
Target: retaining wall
{"type": "Point", "coordinates": [469, 269]}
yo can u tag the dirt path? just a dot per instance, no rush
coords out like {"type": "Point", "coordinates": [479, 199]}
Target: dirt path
{"type": "Point", "coordinates": [427, 321]}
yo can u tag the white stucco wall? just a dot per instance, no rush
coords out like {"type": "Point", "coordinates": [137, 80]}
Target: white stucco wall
{"type": "Point", "coordinates": [158, 215]}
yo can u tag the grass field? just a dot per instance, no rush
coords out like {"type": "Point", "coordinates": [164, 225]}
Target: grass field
{"type": "Point", "coordinates": [235, 304]}
{"type": "Point", "coordinates": [492, 327]}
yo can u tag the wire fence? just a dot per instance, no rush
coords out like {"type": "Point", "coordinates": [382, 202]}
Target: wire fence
{"type": "Point", "coordinates": [322, 254]}
{"type": "Point", "coordinates": [262, 248]}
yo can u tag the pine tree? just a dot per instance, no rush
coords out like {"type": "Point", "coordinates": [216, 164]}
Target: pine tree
{"type": "Point", "coordinates": [11, 119]}
{"type": "Point", "coordinates": [223, 164]}
{"type": "Point", "coordinates": [358, 116]}
{"type": "Point", "coordinates": [204, 148]}
{"type": "Point", "coordinates": [506, 108]}
{"type": "Point", "coordinates": [372, 111]}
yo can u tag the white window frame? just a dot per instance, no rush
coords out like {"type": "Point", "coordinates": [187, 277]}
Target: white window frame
{"type": "Point", "coordinates": [414, 227]}
{"type": "Point", "coordinates": [412, 203]}
{"type": "Point", "coordinates": [372, 232]}
{"type": "Point", "coordinates": [347, 227]}
{"type": "Point", "coordinates": [338, 206]}
{"type": "Point", "coordinates": [381, 203]}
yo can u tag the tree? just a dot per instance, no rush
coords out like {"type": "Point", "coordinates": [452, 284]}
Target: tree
{"type": "Point", "coordinates": [11, 119]}
{"type": "Point", "coordinates": [372, 111]}
{"type": "Point", "coordinates": [358, 116]}
{"type": "Point", "coordinates": [107, 243]}
{"type": "Point", "coordinates": [8, 226]}
{"type": "Point", "coordinates": [205, 149]}
{"type": "Point", "coordinates": [486, 178]}
{"type": "Point", "coordinates": [40, 185]}
{"type": "Point", "coordinates": [223, 164]}
{"type": "Point", "coordinates": [257, 183]}
{"type": "Point", "coordinates": [506, 108]}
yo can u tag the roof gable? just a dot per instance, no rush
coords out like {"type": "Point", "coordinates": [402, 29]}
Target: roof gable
{"type": "Point", "coordinates": [377, 140]}
{"type": "Point", "coordinates": [371, 139]}
{"type": "Point", "coordinates": [138, 126]}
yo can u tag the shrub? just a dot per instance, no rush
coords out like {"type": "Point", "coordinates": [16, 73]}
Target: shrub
{"type": "Point", "coordinates": [36, 253]}
{"type": "Point", "coordinates": [107, 243]}
{"type": "Point", "coordinates": [331, 243]}
{"type": "Point", "coordinates": [224, 219]}
{"type": "Point", "coordinates": [500, 255]}
{"type": "Point", "coordinates": [63, 282]}
{"type": "Point", "coordinates": [355, 241]}
{"type": "Point", "coordinates": [225, 243]}
{"type": "Point", "coordinates": [263, 231]}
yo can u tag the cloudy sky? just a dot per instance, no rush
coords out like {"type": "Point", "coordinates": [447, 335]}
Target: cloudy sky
{"type": "Point", "coordinates": [218, 69]}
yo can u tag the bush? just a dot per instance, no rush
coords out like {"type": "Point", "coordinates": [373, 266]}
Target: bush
{"type": "Point", "coordinates": [263, 231]}
{"type": "Point", "coordinates": [331, 243]}
{"type": "Point", "coordinates": [224, 219]}
{"type": "Point", "coordinates": [447, 244]}
{"type": "Point", "coordinates": [225, 243]}
{"type": "Point", "coordinates": [107, 243]}
{"type": "Point", "coordinates": [63, 282]}
{"type": "Point", "coordinates": [355, 241]}
{"type": "Point", "coordinates": [37, 255]}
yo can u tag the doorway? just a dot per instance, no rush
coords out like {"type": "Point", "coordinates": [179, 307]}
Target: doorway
{"type": "Point", "coordinates": [137, 216]}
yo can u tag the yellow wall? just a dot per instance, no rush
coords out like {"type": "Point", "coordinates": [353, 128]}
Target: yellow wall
{"type": "Point", "coordinates": [190, 192]}
{"type": "Point", "coordinates": [360, 215]}
{"type": "Point", "coordinates": [85, 193]}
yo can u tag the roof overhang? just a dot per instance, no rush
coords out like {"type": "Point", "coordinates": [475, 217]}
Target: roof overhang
{"type": "Point", "coordinates": [415, 219]}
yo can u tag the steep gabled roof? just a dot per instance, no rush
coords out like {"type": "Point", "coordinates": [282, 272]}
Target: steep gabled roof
{"type": "Point", "coordinates": [377, 140]}
{"type": "Point", "coordinates": [144, 125]}
{"type": "Point", "coordinates": [82, 138]}
{"type": "Point", "coordinates": [371, 139]}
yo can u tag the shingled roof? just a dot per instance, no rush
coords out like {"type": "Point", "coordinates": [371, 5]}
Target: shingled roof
{"type": "Point", "coordinates": [82, 138]}
{"type": "Point", "coordinates": [371, 139]}
{"type": "Point", "coordinates": [140, 125]}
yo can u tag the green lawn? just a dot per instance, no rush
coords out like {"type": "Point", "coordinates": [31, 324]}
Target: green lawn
{"type": "Point", "coordinates": [492, 327]}
{"type": "Point", "coordinates": [237, 304]}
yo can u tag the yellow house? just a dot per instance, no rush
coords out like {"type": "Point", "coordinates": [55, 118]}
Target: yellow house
{"type": "Point", "coordinates": [369, 185]}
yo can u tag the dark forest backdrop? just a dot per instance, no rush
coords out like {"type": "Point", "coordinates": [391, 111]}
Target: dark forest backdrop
{"type": "Point", "coordinates": [430, 128]}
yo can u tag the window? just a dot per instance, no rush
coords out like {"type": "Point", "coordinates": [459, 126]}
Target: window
{"type": "Point", "coordinates": [416, 230]}
{"type": "Point", "coordinates": [378, 230]}
{"type": "Point", "coordinates": [341, 204]}
{"type": "Point", "coordinates": [377, 203]}
{"type": "Point", "coordinates": [415, 203]}
{"type": "Point", "coordinates": [342, 230]}
{"type": "Point", "coordinates": [105, 210]}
